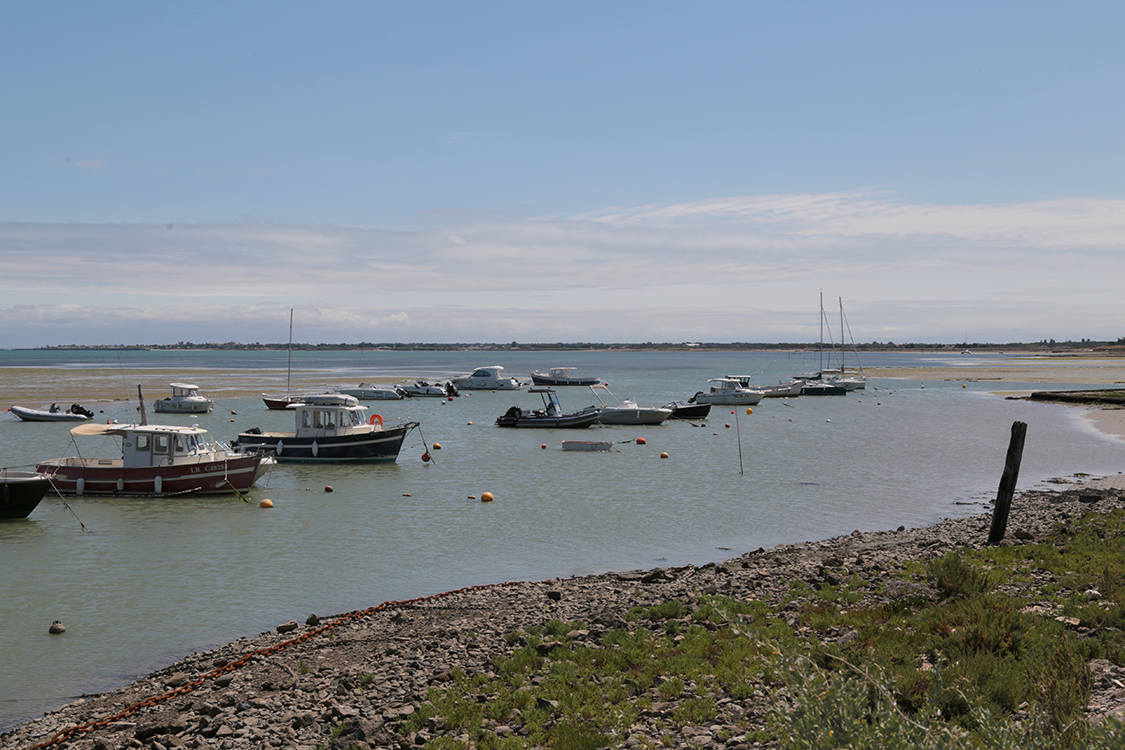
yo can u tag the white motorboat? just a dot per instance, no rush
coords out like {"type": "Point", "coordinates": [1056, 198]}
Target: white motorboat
{"type": "Point", "coordinates": [373, 392]}
{"type": "Point", "coordinates": [74, 413]}
{"type": "Point", "coordinates": [626, 411]}
{"type": "Point", "coordinates": [185, 399]}
{"type": "Point", "coordinates": [486, 379]}
{"type": "Point", "coordinates": [727, 392]}
{"type": "Point", "coordinates": [561, 376]}
{"type": "Point", "coordinates": [425, 388]}
{"type": "Point", "coordinates": [781, 390]}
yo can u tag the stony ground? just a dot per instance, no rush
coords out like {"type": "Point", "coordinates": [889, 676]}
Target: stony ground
{"type": "Point", "coordinates": [371, 669]}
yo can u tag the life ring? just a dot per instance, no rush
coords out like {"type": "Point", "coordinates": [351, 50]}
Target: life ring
{"type": "Point", "coordinates": [375, 418]}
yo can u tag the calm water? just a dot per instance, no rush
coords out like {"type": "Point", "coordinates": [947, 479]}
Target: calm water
{"type": "Point", "coordinates": [141, 583]}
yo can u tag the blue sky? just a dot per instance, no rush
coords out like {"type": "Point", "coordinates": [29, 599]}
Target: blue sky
{"type": "Point", "coordinates": [538, 172]}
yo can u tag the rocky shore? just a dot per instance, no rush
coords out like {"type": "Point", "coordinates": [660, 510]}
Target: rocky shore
{"type": "Point", "coordinates": [354, 680]}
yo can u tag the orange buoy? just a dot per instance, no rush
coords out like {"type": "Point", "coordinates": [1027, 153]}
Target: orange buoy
{"type": "Point", "coordinates": [470, 423]}
{"type": "Point", "coordinates": [664, 455]}
{"type": "Point", "coordinates": [328, 488]}
{"type": "Point", "coordinates": [544, 446]}
{"type": "Point", "coordinates": [964, 386]}
{"type": "Point", "coordinates": [641, 441]}
{"type": "Point", "coordinates": [266, 503]}
{"type": "Point", "coordinates": [437, 446]}
{"type": "Point", "coordinates": [426, 457]}
{"type": "Point", "coordinates": [486, 497]}
{"type": "Point", "coordinates": [727, 425]}
{"type": "Point", "coordinates": [749, 410]}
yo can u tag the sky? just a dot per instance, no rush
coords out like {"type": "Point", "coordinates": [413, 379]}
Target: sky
{"type": "Point", "coordinates": [560, 172]}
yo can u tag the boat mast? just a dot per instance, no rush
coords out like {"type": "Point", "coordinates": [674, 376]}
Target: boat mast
{"type": "Point", "coordinates": [289, 364]}
{"type": "Point", "coordinates": [821, 372]}
{"type": "Point", "coordinates": [841, 336]}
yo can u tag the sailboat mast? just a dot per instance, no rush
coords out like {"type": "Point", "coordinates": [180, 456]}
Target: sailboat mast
{"type": "Point", "coordinates": [821, 333]}
{"type": "Point", "coordinates": [841, 336]}
{"type": "Point", "coordinates": [289, 363]}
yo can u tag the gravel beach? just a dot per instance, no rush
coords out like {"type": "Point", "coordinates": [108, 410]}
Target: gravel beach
{"type": "Point", "coordinates": [370, 670]}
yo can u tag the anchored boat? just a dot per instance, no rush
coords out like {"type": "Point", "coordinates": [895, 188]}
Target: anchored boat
{"type": "Point", "coordinates": [330, 428]}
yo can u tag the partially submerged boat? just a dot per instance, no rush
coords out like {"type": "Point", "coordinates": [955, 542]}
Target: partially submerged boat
{"type": "Point", "coordinates": [185, 399]}
{"type": "Point", "coordinates": [74, 413]}
{"type": "Point", "coordinates": [155, 461]}
{"type": "Point", "coordinates": [726, 392]}
{"type": "Point", "coordinates": [486, 379]}
{"type": "Point", "coordinates": [330, 428]}
{"type": "Point", "coordinates": [561, 376]}
{"type": "Point", "coordinates": [20, 492]}
{"type": "Point", "coordinates": [551, 415]}
{"type": "Point", "coordinates": [627, 411]}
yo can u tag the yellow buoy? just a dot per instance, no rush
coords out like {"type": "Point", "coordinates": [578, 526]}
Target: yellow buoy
{"type": "Point", "coordinates": [266, 503]}
{"type": "Point", "coordinates": [486, 497]}
{"type": "Point", "coordinates": [749, 410]}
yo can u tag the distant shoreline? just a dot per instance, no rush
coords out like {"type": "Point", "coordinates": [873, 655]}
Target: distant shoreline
{"type": "Point", "coordinates": [1085, 349]}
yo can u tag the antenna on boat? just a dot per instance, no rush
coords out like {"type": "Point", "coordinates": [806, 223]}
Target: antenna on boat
{"type": "Point", "coordinates": [141, 398]}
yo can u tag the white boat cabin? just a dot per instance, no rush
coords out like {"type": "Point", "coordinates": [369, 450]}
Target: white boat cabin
{"type": "Point", "coordinates": [329, 414]}
{"type": "Point", "coordinates": [143, 446]}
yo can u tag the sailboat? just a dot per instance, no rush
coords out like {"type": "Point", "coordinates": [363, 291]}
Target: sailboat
{"type": "Point", "coordinates": [283, 402]}
{"type": "Point", "coordinates": [852, 382]}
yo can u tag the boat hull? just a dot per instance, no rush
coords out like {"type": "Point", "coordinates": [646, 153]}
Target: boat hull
{"type": "Point", "coordinates": [538, 378]}
{"type": "Point", "coordinates": [376, 446]}
{"type": "Point", "coordinates": [633, 416]}
{"type": "Point", "coordinates": [745, 398]}
{"type": "Point", "coordinates": [565, 421]}
{"type": "Point", "coordinates": [373, 394]}
{"type": "Point", "coordinates": [167, 406]}
{"type": "Point", "coordinates": [109, 477]}
{"type": "Point", "coordinates": [278, 403]}
{"type": "Point", "coordinates": [586, 445]}
{"type": "Point", "coordinates": [20, 492]}
{"type": "Point", "coordinates": [823, 389]}
{"type": "Point", "coordinates": [689, 411]}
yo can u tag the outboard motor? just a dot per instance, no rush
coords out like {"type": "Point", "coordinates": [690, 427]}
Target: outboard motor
{"type": "Point", "coordinates": [451, 390]}
{"type": "Point", "coordinates": [77, 409]}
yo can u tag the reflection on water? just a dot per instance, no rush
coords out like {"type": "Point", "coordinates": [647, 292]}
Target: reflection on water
{"type": "Point", "coordinates": [139, 582]}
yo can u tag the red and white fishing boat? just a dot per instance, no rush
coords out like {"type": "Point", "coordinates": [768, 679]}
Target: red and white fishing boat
{"type": "Point", "coordinates": [156, 461]}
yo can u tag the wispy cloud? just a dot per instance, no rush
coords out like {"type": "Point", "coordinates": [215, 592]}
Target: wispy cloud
{"type": "Point", "coordinates": [745, 268]}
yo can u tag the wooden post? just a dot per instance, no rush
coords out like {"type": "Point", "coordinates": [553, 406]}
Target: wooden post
{"type": "Point", "coordinates": [1007, 483]}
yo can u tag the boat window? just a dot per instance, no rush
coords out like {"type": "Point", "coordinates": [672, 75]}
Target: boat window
{"type": "Point", "coordinates": [179, 443]}
{"type": "Point", "coordinates": [329, 420]}
{"type": "Point", "coordinates": [318, 419]}
{"type": "Point", "coordinates": [357, 418]}
{"type": "Point", "coordinates": [308, 418]}
{"type": "Point", "coordinates": [142, 442]}
{"type": "Point", "coordinates": [160, 443]}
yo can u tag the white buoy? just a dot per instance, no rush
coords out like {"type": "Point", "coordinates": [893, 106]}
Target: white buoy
{"type": "Point", "coordinates": [279, 447]}
{"type": "Point", "coordinates": [80, 486]}
{"type": "Point", "coordinates": [315, 449]}
{"type": "Point", "coordinates": [158, 485]}
{"type": "Point", "coordinates": [120, 484]}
